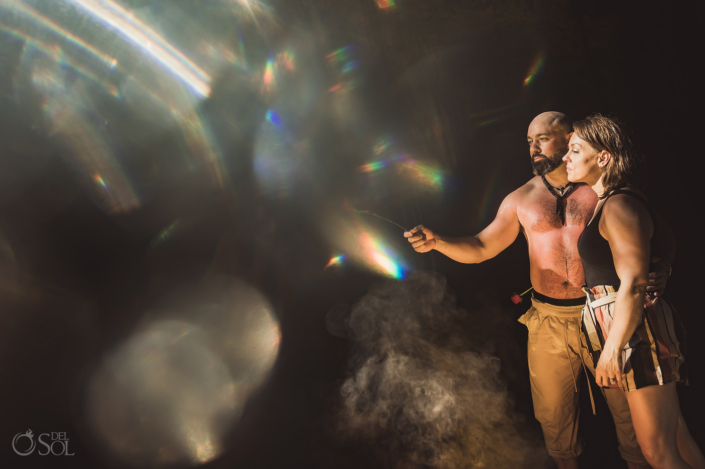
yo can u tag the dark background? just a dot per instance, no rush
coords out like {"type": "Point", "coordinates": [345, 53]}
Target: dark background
{"type": "Point", "coordinates": [458, 64]}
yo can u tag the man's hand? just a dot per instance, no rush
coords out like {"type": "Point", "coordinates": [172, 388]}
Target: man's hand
{"type": "Point", "coordinates": [422, 239]}
{"type": "Point", "coordinates": [658, 278]}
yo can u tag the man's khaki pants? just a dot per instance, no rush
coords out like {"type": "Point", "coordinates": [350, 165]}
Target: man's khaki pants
{"type": "Point", "coordinates": [557, 355]}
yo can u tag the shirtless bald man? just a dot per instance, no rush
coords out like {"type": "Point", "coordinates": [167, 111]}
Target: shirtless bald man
{"type": "Point", "coordinates": [551, 213]}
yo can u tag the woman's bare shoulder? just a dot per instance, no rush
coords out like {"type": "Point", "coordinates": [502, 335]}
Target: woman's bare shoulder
{"type": "Point", "coordinates": [626, 211]}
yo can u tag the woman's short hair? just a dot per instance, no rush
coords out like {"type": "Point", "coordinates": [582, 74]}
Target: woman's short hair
{"type": "Point", "coordinates": [605, 133]}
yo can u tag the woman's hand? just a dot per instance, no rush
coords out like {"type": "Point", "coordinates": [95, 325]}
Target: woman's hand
{"type": "Point", "coordinates": [609, 368]}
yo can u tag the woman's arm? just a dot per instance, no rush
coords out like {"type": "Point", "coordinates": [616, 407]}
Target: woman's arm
{"type": "Point", "coordinates": [627, 226]}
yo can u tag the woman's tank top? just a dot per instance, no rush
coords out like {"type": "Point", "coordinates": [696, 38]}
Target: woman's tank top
{"type": "Point", "coordinates": [595, 252]}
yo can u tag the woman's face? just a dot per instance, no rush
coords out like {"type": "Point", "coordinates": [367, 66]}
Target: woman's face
{"type": "Point", "coordinates": [582, 161]}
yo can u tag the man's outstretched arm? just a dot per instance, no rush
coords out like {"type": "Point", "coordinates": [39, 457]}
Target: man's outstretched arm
{"type": "Point", "coordinates": [472, 249]}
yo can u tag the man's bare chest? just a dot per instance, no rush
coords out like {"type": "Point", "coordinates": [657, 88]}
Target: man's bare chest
{"type": "Point", "coordinates": [540, 214]}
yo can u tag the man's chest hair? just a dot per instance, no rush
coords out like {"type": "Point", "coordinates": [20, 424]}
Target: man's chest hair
{"type": "Point", "coordinates": [540, 213]}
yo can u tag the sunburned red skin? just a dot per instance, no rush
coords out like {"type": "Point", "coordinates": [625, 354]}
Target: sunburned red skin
{"type": "Point", "coordinates": [556, 268]}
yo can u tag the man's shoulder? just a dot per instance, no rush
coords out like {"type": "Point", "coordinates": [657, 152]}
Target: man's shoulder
{"type": "Point", "coordinates": [534, 195]}
{"type": "Point", "coordinates": [523, 192]}
{"type": "Point", "coordinates": [535, 186]}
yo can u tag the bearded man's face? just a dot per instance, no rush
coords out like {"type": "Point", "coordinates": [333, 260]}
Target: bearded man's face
{"type": "Point", "coordinates": [544, 164]}
{"type": "Point", "coordinates": [548, 144]}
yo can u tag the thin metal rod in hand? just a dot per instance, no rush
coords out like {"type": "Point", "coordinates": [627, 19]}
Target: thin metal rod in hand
{"type": "Point", "coordinates": [367, 212]}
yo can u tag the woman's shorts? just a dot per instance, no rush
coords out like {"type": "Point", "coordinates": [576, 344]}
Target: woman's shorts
{"type": "Point", "coordinates": [654, 355]}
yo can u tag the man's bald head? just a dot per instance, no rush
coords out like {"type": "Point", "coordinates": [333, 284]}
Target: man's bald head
{"type": "Point", "coordinates": [548, 137]}
{"type": "Point", "coordinates": [554, 120]}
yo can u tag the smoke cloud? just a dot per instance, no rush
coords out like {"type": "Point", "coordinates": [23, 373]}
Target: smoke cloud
{"type": "Point", "coordinates": [418, 391]}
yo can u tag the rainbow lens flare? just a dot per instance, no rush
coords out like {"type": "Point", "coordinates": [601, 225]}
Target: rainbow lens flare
{"type": "Point", "coordinates": [286, 60]}
{"type": "Point", "coordinates": [536, 67]}
{"type": "Point", "coordinates": [148, 41]}
{"type": "Point", "coordinates": [273, 117]}
{"type": "Point", "coordinates": [381, 258]}
{"type": "Point", "coordinates": [388, 266]}
{"type": "Point", "coordinates": [100, 181]}
{"type": "Point", "coordinates": [268, 78]}
{"type": "Point", "coordinates": [64, 35]}
{"type": "Point", "coordinates": [381, 146]}
{"type": "Point", "coordinates": [383, 4]}
{"type": "Point", "coordinates": [374, 166]}
{"type": "Point", "coordinates": [426, 174]}
{"type": "Point", "coordinates": [337, 260]}
{"type": "Point", "coordinates": [339, 55]}
{"type": "Point", "coordinates": [348, 232]}
{"type": "Point", "coordinates": [342, 61]}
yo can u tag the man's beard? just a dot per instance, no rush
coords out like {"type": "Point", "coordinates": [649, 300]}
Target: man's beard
{"type": "Point", "coordinates": [548, 163]}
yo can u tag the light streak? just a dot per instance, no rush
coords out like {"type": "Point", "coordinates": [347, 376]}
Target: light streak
{"type": "Point", "coordinates": [374, 166]}
{"type": "Point", "coordinates": [89, 151]}
{"type": "Point", "coordinates": [55, 52]}
{"type": "Point", "coordinates": [349, 66]}
{"type": "Point", "coordinates": [337, 260]}
{"type": "Point", "coordinates": [376, 252]}
{"type": "Point", "coordinates": [253, 7]}
{"type": "Point", "coordinates": [286, 59]}
{"type": "Point", "coordinates": [202, 144]}
{"type": "Point", "coordinates": [536, 67]}
{"type": "Point", "coordinates": [100, 181]}
{"type": "Point", "coordinates": [381, 146]}
{"type": "Point", "coordinates": [339, 55]}
{"type": "Point", "coordinates": [273, 117]}
{"type": "Point", "coordinates": [387, 265]}
{"type": "Point", "coordinates": [343, 58]}
{"type": "Point", "coordinates": [144, 38]}
{"type": "Point", "coordinates": [35, 16]}
{"type": "Point", "coordinates": [165, 234]}
{"type": "Point", "coordinates": [383, 4]}
{"type": "Point", "coordinates": [422, 172]}
{"type": "Point", "coordinates": [268, 78]}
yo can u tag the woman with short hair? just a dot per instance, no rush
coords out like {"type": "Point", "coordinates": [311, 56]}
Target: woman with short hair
{"type": "Point", "coordinates": [633, 338]}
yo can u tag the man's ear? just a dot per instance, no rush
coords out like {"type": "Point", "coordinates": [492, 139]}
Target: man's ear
{"type": "Point", "coordinates": [603, 158]}
{"type": "Point", "coordinates": [567, 137]}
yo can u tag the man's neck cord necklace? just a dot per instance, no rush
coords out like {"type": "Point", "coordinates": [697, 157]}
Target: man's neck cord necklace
{"type": "Point", "coordinates": [567, 190]}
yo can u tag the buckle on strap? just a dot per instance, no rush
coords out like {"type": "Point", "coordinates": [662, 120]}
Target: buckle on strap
{"type": "Point", "coordinates": [605, 300]}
